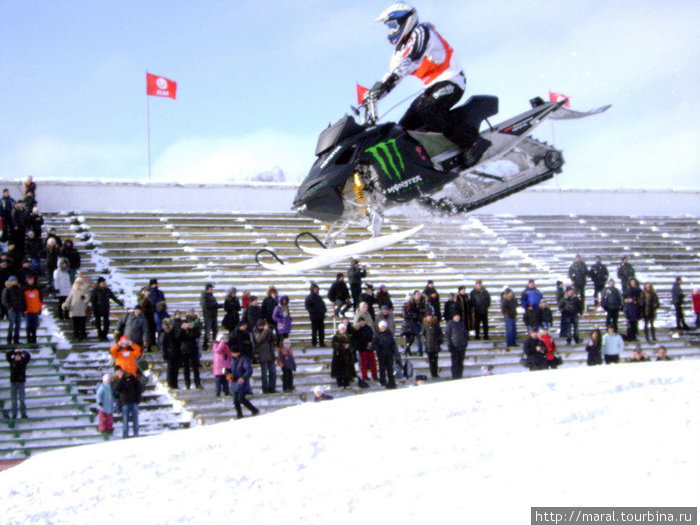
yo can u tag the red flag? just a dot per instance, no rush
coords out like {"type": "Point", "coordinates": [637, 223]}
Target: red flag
{"type": "Point", "coordinates": [160, 87]}
{"type": "Point", "coordinates": [361, 91]}
{"type": "Point", "coordinates": [558, 97]}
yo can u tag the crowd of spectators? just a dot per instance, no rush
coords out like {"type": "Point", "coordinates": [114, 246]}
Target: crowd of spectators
{"type": "Point", "coordinates": [367, 342]}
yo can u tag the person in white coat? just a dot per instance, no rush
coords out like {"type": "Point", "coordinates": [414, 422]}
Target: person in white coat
{"type": "Point", "coordinates": [76, 304]}
{"type": "Point", "coordinates": [612, 347]}
{"type": "Point", "coordinates": [62, 284]}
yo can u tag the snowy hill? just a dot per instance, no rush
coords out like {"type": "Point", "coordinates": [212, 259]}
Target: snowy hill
{"type": "Point", "coordinates": [474, 451]}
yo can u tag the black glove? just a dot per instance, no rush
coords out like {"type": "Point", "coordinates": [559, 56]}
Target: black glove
{"type": "Point", "coordinates": [382, 88]}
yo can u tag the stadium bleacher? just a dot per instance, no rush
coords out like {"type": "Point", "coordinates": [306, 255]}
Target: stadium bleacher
{"type": "Point", "coordinates": [186, 250]}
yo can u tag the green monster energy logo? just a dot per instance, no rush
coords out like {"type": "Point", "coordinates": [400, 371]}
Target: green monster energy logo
{"type": "Point", "coordinates": [393, 165]}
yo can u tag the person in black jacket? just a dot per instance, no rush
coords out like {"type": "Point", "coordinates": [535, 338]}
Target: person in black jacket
{"type": "Point", "coordinates": [169, 345]}
{"type": "Point", "coordinates": [433, 298]}
{"type": "Point", "coordinates": [316, 307]}
{"type": "Point", "coordinates": [232, 307]}
{"type": "Point", "coordinates": [13, 301]}
{"type": "Point", "coordinates": [625, 272]}
{"type": "Point", "coordinates": [154, 292]}
{"type": "Point", "coordinates": [367, 297]}
{"type": "Point", "coordinates": [451, 308]}
{"type": "Point", "coordinates": [7, 204]}
{"type": "Point", "coordinates": [20, 219]}
{"type": "Point", "coordinates": [252, 313]}
{"type": "Point", "coordinates": [18, 360]}
{"type": "Point", "coordinates": [578, 272]}
{"type": "Point", "coordinates": [35, 252]}
{"type": "Point", "coordinates": [361, 344]}
{"type": "Point", "coordinates": [268, 306]}
{"type": "Point", "coordinates": [611, 301]}
{"type": "Point", "coordinates": [35, 222]}
{"type": "Point", "coordinates": [599, 275]}
{"type": "Point", "coordinates": [148, 307]}
{"type": "Point", "coordinates": [535, 352]}
{"type": "Point", "coordinates": [677, 300]}
{"type": "Point", "coordinates": [356, 273]}
{"type": "Point", "coordinates": [240, 338]}
{"type": "Point", "coordinates": [69, 253]}
{"type": "Point", "coordinates": [509, 309]}
{"type": "Point", "coordinates": [480, 299]}
{"type": "Point", "coordinates": [129, 389]}
{"type": "Point", "coordinates": [414, 310]}
{"type": "Point", "coordinates": [343, 361]}
{"type": "Point", "coordinates": [632, 303]}
{"type": "Point", "coordinates": [189, 350]}
{"type": "Point", "coordinates": [387, 354]}
{"type": "Point", "coordinates": [593, 349]}
{"type": "Point", "coordinates": [339, 295]}
{"type": "Point", "coordinates": [570, 307]}
{"type": "Point", "coordinates": [99, 300]}
{"type": "Point", "coordinates": [210, 313]}
{"type": "Point", "coordinates": [457, 337]}
{"type": "Point", "coordinates": [267, 355]}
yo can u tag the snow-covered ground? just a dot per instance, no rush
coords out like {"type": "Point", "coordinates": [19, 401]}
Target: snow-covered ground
{"type": "Point", "coordinates": [474, 451]}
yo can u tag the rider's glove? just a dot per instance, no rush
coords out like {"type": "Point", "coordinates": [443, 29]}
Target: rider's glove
{"type": "Point", "coordinates": [381, 88]}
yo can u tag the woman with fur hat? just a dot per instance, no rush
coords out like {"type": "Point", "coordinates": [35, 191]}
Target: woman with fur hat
{"type": "Point", "coordinates": [343, 361]}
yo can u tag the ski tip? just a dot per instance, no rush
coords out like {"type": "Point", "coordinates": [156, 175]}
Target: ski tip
{"type": "Point", "coordinates": [564, 113]}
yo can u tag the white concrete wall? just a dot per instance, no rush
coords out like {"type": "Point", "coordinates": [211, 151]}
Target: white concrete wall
{"type": "Point", "coordinates": [114, 196]}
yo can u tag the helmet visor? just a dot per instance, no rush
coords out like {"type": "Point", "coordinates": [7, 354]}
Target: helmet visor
{"type": "Point", "coordinates": [393, 25]}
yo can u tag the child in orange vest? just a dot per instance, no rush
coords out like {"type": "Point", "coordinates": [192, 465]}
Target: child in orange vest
{"type": "Point", "coordinates": [33, 299]}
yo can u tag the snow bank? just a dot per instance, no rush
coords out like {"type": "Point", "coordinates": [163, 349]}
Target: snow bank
{"type": "Point", "coordinates": [474, 451]}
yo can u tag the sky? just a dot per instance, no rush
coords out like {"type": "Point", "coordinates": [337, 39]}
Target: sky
{"type": "Point", "coordinates": [257, 82]}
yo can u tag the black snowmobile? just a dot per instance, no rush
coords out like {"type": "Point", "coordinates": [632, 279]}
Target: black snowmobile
{"type": "Point", "coordinates": [362, 169]}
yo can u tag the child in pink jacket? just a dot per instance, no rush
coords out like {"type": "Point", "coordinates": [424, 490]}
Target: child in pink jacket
{"type": "Point", "coordinates": [222, 363]}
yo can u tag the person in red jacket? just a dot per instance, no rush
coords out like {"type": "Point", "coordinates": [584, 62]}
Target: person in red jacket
{"type": "Point", "coordinates": [34, 302]}
{"type": "Point", "coordinates": [550, 345]}
{"type": "Point", "coordinates": [696, 306]}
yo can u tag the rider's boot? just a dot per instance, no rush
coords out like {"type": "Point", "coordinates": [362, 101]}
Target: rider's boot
{"type": "Point", "coordinates": [474, 154]}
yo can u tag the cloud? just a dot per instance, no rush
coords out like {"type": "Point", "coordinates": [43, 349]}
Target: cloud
{"type": "Point", "coordinates": [225, 159]}
{"type": "Point", "coordinates": [54, 158]}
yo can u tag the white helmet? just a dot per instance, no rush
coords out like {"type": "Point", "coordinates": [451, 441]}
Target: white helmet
{"type": "Point", "coordinates": [400, 19]}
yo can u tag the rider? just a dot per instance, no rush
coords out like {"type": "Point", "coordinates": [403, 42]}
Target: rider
{"type": "Point", "coordinates": [421, 51]}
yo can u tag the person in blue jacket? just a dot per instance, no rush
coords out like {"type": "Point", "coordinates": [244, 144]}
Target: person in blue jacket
{"type": "Point", "coordinates": [241, 370]}
{"type": "Point", "coordinates": [530, 301]}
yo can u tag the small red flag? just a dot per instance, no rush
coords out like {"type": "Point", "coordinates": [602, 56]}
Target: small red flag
{"type": "Point", "coordinates": [558, 97]}
{"type": "Point", "coordinates": [160, 86]}
{"type": "Point", "coordinates": [361, 92]}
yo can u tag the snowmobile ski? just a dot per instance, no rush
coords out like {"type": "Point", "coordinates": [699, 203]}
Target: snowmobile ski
{"type": "Point", "coordinates": [328, 256]}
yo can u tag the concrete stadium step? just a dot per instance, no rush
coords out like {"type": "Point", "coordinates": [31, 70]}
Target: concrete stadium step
{"type": "Point", "coordinates": [501, 250]}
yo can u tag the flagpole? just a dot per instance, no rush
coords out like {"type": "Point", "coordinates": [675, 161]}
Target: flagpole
{"type": "Point", "coordinates": [148, 129]}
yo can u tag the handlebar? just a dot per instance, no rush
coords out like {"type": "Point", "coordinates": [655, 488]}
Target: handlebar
{"type": "Point", "coordinates": [367, 110]}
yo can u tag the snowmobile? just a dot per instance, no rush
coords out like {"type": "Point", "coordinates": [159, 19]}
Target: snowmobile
{"type": "Point", "coordinates": [363, 169]}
